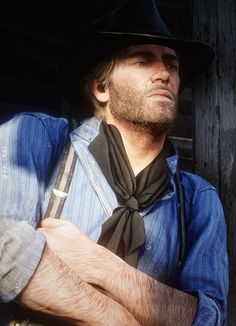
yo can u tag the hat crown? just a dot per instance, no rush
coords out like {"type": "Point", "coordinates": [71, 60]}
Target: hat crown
{"type": "Point", "coordinates": [133, 16]}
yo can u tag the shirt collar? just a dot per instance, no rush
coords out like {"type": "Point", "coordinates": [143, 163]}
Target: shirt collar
{"type": "Point", "coordinates": [88, 130]}
{"type": "Point", "coordinates": [172, 161]}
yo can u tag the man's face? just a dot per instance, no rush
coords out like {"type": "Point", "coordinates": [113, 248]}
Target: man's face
{"type": "Point", "coordinates": [143, 86]}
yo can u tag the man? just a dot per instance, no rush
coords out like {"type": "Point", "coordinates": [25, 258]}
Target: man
{"type": "Point", "coordinates": [123, 193]}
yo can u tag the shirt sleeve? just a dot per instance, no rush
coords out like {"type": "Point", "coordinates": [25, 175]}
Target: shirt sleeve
{"type": "Point", "coordinates": [204, 272]}
{"type": "Point", "coordinates": [27, 150]}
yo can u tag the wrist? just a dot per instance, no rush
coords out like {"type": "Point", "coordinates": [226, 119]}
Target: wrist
{"type": "Point", "coordinates": [112, 271]}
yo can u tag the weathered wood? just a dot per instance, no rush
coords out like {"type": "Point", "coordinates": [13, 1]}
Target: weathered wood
{"type": "Point", "coordinates": [214, 103]}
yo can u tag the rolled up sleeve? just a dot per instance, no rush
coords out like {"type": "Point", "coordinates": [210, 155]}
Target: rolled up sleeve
{"type": "Point", "coordinates": [209, 312]}
{"type": "Point", "coordinates": [21, 248]}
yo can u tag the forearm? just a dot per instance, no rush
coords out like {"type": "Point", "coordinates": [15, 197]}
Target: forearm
{"type": "Point", "coordinates": [56, 290]}
{"type": "Point", "coordinates": [150, 302]}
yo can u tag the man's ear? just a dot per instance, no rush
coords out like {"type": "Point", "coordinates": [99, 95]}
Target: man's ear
{"type": "Point", "coordinates": [100, 91]}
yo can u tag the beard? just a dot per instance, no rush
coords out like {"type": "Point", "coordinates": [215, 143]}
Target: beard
{"type": "Point", "coordinates": [140, 110]}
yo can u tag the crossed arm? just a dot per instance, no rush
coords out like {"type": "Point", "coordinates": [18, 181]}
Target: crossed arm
{"type": "Point", "coordinates": [127, 294]}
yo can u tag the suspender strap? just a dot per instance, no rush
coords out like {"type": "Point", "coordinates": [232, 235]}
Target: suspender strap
{"type": "Point", "coordinates": [181, 216]}
{"type": "Point", "coordinates": [63, 181]}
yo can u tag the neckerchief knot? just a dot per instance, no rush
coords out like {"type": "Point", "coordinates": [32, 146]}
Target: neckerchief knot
{"type": "Point", "coordinates": [132, 204]}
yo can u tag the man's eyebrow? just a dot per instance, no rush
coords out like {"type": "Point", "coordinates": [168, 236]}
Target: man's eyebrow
{"type": "Point", "coordinates": [145, 54]}
{"type": "Point", "coordinates": [170, 56]}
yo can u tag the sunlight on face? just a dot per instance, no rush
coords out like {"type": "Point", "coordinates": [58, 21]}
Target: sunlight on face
{"type": "Point", "coordinates": [144, 85]}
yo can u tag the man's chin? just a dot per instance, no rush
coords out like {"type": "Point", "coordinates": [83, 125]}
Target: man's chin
{"type": "Point", "coordinates": [154, 126]}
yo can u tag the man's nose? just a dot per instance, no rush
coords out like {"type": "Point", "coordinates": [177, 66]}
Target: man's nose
{"type": "Point", "coordinates": [160, 73]}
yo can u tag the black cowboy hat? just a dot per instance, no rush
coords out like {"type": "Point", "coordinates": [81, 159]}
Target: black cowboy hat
{"type": "Point", "coordinates": [132, 22]}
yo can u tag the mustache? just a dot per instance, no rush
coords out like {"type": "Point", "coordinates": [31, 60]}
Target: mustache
{"type": "Point", "coordinates": [161, 90]}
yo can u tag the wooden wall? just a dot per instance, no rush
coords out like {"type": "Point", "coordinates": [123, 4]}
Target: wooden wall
{"type": "Point", "coordinates": [214, 104]}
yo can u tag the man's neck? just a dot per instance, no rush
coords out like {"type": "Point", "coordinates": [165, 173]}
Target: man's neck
{"type": "Point", "coordinates": [142, 143]}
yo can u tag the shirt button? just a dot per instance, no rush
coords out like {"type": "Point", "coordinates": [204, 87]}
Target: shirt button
{"type": "Point", "coordinates": [17, 285]}
{"type": "Point", "coordinates": [147, 247]}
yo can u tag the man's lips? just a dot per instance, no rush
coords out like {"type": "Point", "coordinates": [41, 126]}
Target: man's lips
{"type": "Point", "coordinates": [160, 92]}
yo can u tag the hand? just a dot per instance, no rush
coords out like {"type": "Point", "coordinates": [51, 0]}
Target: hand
{"type": "Point", "coordinates": [90, 260]}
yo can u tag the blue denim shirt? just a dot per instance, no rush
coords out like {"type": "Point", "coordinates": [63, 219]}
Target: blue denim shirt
{"type": "Point", "coordinates": [30, 148]}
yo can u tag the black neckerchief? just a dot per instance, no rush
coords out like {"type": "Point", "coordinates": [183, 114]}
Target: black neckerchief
{"type": "Point", "coordinates": [124, 233]}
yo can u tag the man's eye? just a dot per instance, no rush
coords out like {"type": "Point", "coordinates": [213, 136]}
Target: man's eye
{"type": "Point", "coordinates": [172, 66]}
{"type": "Point", "coordinates": [141, 62]}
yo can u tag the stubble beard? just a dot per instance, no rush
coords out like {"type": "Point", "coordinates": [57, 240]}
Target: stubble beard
{"type": "Point", "coordinates": [139, 112]}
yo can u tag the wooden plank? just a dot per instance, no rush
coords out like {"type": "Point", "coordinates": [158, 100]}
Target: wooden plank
{"type": "Point", "coordinates": [205, 98]}
{"type": "Point", "coordinates": [227, 103]}
{"type": "Point", "coordinates": [214, 101]}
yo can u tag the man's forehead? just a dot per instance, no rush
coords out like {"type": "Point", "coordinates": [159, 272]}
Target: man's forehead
{"type": "Point", "coordinates": [155, 48]}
